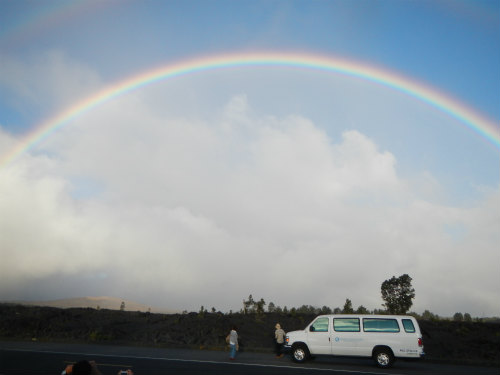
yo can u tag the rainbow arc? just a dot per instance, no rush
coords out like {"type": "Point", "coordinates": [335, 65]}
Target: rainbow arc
{"type": "Point", "coordinates": [454, 108]}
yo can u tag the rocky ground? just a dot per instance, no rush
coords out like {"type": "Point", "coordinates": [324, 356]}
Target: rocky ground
{"type": "Point", "coordinates": [458, 342]}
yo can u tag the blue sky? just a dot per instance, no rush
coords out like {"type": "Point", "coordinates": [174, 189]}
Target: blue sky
{"type": "Point", "coordinates": [261, 168]}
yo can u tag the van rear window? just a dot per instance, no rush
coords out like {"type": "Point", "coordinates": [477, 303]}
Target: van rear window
{"type": "Point", "coordinates": [346, 324]}
{"type": "Point", "coordinates": [380, 325]}
{"type": "Point", "coordinates": [408, 325]}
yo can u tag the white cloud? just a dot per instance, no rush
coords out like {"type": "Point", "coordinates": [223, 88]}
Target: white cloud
{"type": "Point", "coordinates": [204, 211]}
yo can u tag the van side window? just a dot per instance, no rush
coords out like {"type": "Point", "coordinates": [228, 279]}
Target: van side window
{"type": "Point", "coordinates": [408, 325]}
{"type": "Point", "coordinates": [380, 325]}
{"type": "Point", "coordinates": [346, 324]}
{"type": "Point", "coordinates": [320, 325]}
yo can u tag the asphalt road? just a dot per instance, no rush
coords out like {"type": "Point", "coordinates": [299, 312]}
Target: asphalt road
{"type": "Point", "coordinates": [51, 358]}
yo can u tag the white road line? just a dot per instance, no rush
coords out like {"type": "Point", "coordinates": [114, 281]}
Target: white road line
{"type": "Point", "coordinates": [201, 361]}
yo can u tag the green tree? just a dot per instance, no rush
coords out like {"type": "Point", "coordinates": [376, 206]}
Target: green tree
{"type": "Point", "coordinates": [271, 307]}
{"type": "Point", "coordinates": [307, 309]}
{"type": "Point", "coordinates": [427, 315]}
{"type": "Point", "coordinates": [398, 294]}
{"type": "Point", "coordinates": [467, 317]}
{"type": "Point", "coordinates": [249, 305]}
{"type": "Point", "coordinates": [259, 306]}
{"type": "Point", "coordinates": [325, 310]}
{"type": "Point", "coordinates": [458, 317]}
{"type": "Point", "coordinates": [347, 307]}
{"type": "Point", "coordinates": [202, 311]}
{"type": "Point", "coordinates": [362, 310]}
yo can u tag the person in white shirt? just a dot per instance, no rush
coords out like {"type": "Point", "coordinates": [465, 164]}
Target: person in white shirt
{"type": "Point", "coordinates": [279, 336]}
{"type": "Point", "coordinates": [232, 339]}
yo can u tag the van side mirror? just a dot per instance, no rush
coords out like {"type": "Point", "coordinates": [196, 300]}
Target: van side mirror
{"type": "Point", "coordinates": [312, 329]}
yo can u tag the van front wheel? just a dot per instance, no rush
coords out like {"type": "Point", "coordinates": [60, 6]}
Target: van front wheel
{"type": "Point", "coordinates": [383, 357]}
{"type": "Point", "coordinates": [300, 353]}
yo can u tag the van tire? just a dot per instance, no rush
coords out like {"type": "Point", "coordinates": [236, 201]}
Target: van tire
{"type": "Point", "coordinates": [300, 353]}
{"type": "Point", "coordinates": [383, 357]}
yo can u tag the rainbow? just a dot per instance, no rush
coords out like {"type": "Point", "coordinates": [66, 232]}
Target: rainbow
{"type": "Point", "coordinates": [465, 115]}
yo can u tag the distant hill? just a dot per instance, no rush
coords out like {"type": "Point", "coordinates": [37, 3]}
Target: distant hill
{"type": "Point", "coordinates": [111, 303]}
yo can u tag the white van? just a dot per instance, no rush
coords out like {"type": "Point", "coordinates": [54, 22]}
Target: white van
{"type": "Point", "coordinates": [382, 337]}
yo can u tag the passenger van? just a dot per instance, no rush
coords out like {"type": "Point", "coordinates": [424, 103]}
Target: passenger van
{"type": "Point", "coordinates": [382, 337]}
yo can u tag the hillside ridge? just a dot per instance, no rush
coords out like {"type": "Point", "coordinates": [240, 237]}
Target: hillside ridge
{"type": "Point", "coordinates": [99, 302]}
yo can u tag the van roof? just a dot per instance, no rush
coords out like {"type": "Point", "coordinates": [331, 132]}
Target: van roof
{"type": "Point", "coordinates": [368, 316]}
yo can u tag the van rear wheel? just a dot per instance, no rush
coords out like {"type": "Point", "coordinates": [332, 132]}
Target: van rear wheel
{"type": "Point", "coordinates": [383, 357]}
{"type": "Point", "coordinates": [300, 353]}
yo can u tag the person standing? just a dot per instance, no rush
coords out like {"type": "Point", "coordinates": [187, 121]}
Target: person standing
{"type": "Point", "coordinates": [279, 336]}
{"type": "Point", "coordinates": [232, 339]}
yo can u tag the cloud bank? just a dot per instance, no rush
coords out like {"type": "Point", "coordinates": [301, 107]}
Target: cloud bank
{"type": "Point", "coordinates": [183, 211]}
